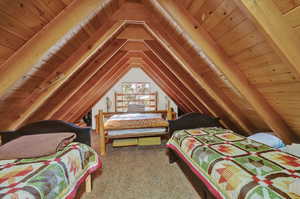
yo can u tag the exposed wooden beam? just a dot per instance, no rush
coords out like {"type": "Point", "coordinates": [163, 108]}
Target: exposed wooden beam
{"type": "Point", "coordinates": [33, 51]}
{"type": "Point", "coordinates": [134, 46]}
{"type": "Point", "coordinates": [171, 93]}
{"type": "Point", "coordinates": [161, 80]}
{"type": "Point", "coordinates": [211, 106]}
{"type": "Point", "coordinates": [75, 61]}
{"type": "Point", "coordinates": [88, 71]}
{"type": "Point", "coordinates": [135, 32]}
{"type": "Point", "coordinates": [178, 99]}
{"type": "Point", "coordinates": [99, 90]}
{"type": "Point", "coordinates": [203, 40]}
{"type": "Point", "coordinates": [276, 28]}
{"type": "Point", "coordinates": [55, 102]}
{"type": "Point", "coordinates": [135, 12]}
{"type": "Point", "coordinates": [177, 87]}
{"type": "Point", "coordinates": [192, 65]}
{"type": "Point", "coordinates": [158, 65]}
{"type": "Point", "coordinates": [88, 88]}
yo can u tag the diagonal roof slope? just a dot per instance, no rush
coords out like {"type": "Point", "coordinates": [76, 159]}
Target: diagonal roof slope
{"type": "Point", "coordinates": [212, 56]}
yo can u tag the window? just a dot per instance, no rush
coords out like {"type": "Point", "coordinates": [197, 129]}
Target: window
{"type": "Point", "coordinates": [136, 87]}
{"type": "Point", "coordinates": [136, 93]}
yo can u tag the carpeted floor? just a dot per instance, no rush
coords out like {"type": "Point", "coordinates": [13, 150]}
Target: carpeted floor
{"type": "Point", "coordinates": [139, 172]}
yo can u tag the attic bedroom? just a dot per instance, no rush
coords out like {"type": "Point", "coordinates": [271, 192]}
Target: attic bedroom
{"type": "Point", "coordinates": [149, 99]}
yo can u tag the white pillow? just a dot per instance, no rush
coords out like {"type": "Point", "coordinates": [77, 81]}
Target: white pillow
{"type": "Point", "coordinates": [293, 149]}
{"type": "Point", "coordinates": [267, 138]}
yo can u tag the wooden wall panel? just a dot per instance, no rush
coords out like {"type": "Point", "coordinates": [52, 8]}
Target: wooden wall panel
{"type": "Point", "coordinates": [285, 98]}
{"type": "Point", "coordinates": [50, 70]}
{"type": "Point", "coordinates": [293, 16]}
{"type": "Point", "coordinates": [196, 64]}
{"type": "Point", "coordinates": [244, 43]}
{"type": "Point", "coordinates": [239, 101]}
{"type": "Point", "coordinates": [286, 5]}
{"type": "Point", "coordinates": [21, 19]}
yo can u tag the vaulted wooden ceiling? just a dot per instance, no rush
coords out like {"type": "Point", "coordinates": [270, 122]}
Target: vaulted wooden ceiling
{"type": "Point", "coordinates": [234, 59]}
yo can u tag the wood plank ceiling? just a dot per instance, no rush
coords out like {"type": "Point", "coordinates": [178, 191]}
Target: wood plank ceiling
{"type": "Point", "coordinates": [59, 57]}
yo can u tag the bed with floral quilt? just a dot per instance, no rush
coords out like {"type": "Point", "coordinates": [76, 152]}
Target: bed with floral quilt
{"type": "Point", "coordinates": [232, 166]}
{"type": "Point", "coordinates": [50, 177]}
{"type": "Point", "coordinates": [47, 159]}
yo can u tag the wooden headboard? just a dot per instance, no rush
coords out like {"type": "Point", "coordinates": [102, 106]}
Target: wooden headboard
{"type": "Point", "coordinates": [193, 120]}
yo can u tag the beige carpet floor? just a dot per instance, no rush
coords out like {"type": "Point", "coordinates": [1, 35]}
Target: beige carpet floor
{"type": "Point", "coordinates": [139, 172]}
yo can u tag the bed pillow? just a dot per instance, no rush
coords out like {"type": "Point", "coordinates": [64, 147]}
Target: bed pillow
{"type": "Point", "coordinates": [267, 138]}
{"type": "Point", "coordinates": [32, 146]}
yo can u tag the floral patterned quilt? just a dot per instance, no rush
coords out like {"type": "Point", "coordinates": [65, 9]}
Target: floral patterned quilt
{"type": "Point", "coordinates": [51, 177]}
{"type": "Point", "coordinates": [236, 167]}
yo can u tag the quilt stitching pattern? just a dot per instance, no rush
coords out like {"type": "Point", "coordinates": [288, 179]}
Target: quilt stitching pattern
{"type": "Point", "coordinates": [238, 167]}
{"type": "Point", "coordinates": [47, 177]}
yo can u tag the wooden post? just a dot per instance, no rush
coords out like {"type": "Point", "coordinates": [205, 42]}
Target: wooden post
{"type": "Point", "coordinates": [88, 184]}
{"type": "Point", "coordinates": [169, 113]}
{"type": "Point", "coordinates": [97, 124]}
{"type": "Point", "coordinates": [156, 100]}
{"type": "Point", "coordinates": [229, 68]}
{"type": "Point", "coordinates": [102, 133]}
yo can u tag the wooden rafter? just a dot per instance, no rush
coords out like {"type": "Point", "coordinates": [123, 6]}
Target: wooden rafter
{"type": "Point", "coordinates": [178, 99]}
{"type": "Point", "coordinates": [78, 58]}
{"type": "Point", "coordinates": [229, 68]}
{"type": "Point", "coordinates": [88, 88]}
{"type": "Point", "coordinates": [135, 12]}
{"type": "Point", "coordinates": [176, 86]}
{"type": "Point", "coordinates": [183, 75]}
{"type": "Point", "coordinates": [276, 28]}
{"type": "Point", "coordinates": [55, 102]}
{"type": "Point", "coordinates": [99, 91]}
{"type": "Point", "coordinates": [153, 61]}
{"type": "Point", "coordinates": [32, 52]}
{"type": "Point", "coordinates": [110, 51]}
{"type": "Point", "coordinates": [191, 64]}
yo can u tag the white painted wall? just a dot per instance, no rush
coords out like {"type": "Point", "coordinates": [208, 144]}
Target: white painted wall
{"type": "Point", "coordinates": [134, 75]}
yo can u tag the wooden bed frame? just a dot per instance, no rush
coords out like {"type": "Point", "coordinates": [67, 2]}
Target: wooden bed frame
{"type": "Point", "coordinates": [83, 135]}
{"type": "Point", "coordinates": [190, 121]}
{"type": "Point", "coordinates": [168, 114]}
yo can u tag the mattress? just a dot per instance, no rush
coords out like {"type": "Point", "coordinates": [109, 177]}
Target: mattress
{"type": "Point", "coordinates": [135, 121]}
{"type": "Point", "coordinates": [135, 116]}
{"type": "Point", "coordinates": [234, 167]}
{"type": "Point", "coordinates": [51, 177]}
{"type": "Point", "coordinates": [136, 132]}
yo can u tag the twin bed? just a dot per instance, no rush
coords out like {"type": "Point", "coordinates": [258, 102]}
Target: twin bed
{"type": "Point", "coordinates": [223, 164]}
{"type": "Point", "coordinates": [219, 162]}
{"type": "Point", "coordinates": [54, 176]}
{"type": "Point", "coordinates": [127, 125]}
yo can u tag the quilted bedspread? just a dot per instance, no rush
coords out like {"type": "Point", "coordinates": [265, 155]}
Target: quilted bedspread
{"type": "Point", "coordinates": [51, 177]}
{"type": "Point", "coordinates": [233, 166]}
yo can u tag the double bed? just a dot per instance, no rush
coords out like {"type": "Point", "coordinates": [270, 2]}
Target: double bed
{"type": "Point", "coordinates": [127, 125]}
{"type": "Point", "coordinates": [53, 176]}
{"type": "Point", "coordinates": [223, 164]}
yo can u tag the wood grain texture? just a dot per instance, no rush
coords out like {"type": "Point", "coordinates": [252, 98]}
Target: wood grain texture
{"type": "Point", "coordinates": [201, 37]}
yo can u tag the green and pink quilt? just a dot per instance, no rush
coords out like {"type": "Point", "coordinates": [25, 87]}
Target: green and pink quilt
{"type": "Point", "coordinates": [235, 167]}
{"type": "Point", "coordinates": [52, 177]}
